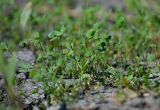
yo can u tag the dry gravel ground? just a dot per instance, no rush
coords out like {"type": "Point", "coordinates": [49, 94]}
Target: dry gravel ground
{"type": "Point", "coordinates": [24, 85]}
{"type": "Point", "coordinates": [102, 99]}
{"type": "Point", "coordinates": [108, 100]}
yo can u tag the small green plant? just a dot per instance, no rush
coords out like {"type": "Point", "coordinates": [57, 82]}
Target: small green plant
{"type": "Point", "coordinates": [95, 48]}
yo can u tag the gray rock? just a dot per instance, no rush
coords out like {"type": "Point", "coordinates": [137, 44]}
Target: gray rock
{"type": "Point", "coordinates": [33, 93]}
{"type": "Point", "coordinates": [83, 105]}
{"type": "Point", "coordinates": [3, 93]}
{"type": "Point", "coordinates": [35, 108]}
{"type": "Point", "coordinates": [137, 103]}
{"type": "Point", "coordinates": [26, 56]}
{"type": "Point", "coordinates": [25, 60]}
{"type": "Point", "coordinates": [101, 96]}
{"type": "Point", "coordinates": [109, 106]}
{"type": "Point", "coordinates": [149, 100]}
{"type": "Point", "coordinates": [29, 91]}
{"type": "Point", "coordinates": [1, 83]}
{"type": "Point", "coordinates": [20, 77]}
{"type": "Point", "coordinates": [53, 108]}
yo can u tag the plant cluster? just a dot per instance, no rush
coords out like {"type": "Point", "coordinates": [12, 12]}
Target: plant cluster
{"type": "Point", "coordinates": [90, 50]}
